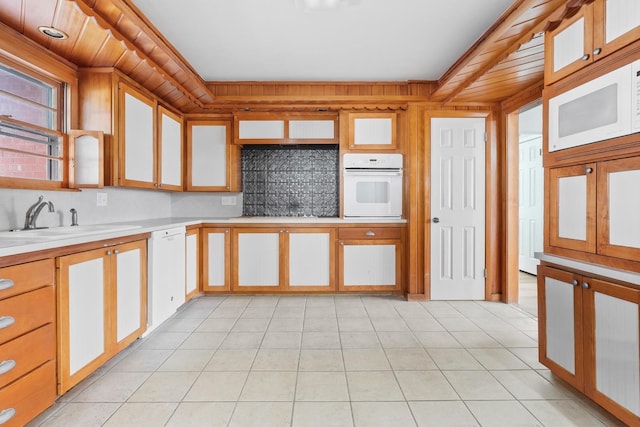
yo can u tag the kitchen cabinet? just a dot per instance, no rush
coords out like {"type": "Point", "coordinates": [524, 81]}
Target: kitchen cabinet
{"type": "Point", "coordinates": [102, 301]}
{"type": "Point", "coordinates": [372, 131]}
{"type": "Point", "coordinates": [589, 337]}
{"type": "Point", "coordinates": [192, 263]}
{"type": "Point", "coordinates": [27, 341]}
{"type": "Point", "coordinates": [86, 159]}
{"type": "Point", "coordinates": [213, 163]}
{"type": "Point", "coordinates": [594, 32]}
{"type": "Point", "coordinates": [216, 259]}
{"type": "Point", "coordinates": [143, 141]}
{"type": "Point", "coordinates": [257, 254]}
{"type": "Point", "coordinates": [292, 259]}
{"type": "Point", "coordinates": [593, 208]}
{"type": "Point", "coordinates": [286, 128]}
{"type": "Point", "coordinates": [370, 259]}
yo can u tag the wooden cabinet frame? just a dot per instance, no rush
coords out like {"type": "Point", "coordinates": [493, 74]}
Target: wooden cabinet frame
{"type": "Point", "coordinates": [235, 245]}
{"type": "Point", "coordinates": [285, 265]}
{"type": "Point", "coordinates": [353, 116]}
{"type": "Point", "coordinates": [286, 119]}
{"type": "Point", "coordinates": [204, 277]}
{"type": "Point", "coordinates": [159, 141]}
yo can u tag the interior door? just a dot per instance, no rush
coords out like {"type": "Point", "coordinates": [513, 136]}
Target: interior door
{"type": "Point", "coordinates": [457, 208]}
{"type": "Point", "coordinates": [530, 204]}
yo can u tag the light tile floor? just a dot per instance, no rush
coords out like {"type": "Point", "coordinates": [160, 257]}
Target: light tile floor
{"type": "Point", "coordinates": [330, 361]}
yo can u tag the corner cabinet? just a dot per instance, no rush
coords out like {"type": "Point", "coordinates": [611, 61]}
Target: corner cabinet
{"type": "Point", "coordinates": [143, 141]}
{"type": "Point", "coordinates": [370, 259]}
{"type": "Point", "coordinates": [213, 163]}
{"type": "Point", "coordinates": [192, 263]}
{"type": "Point", "coordinates": [597, 30]}
{"type": "Point", "coordinates": [589, 337]}
{"type": "Point", "coordinates": [592, 208]}
{"type": "Point", "coordinates": [216, 259]}
{"type": "Point", "coordinates": [102, 300]}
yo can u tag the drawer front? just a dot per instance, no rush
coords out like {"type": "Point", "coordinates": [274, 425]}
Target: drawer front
{"type": "Point", "coordinates": [23, 400]}
{"type": "Point", "coordinates": [23, 354]}
{"type": "Point", "coordinates": [22, 278]}
{"type": "Point", "coordinates": [26, 312]}
{"type": "Point", "coordinates": [369, 233]}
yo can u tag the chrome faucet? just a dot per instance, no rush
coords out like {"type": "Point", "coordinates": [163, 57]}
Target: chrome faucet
{"type": "Point", "coordinates": [34, 211]}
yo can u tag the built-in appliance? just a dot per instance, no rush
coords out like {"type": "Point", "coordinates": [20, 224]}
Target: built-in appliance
{"type": "Point", "coordinates": [166, 271]}
{"type": "Point", "coordinates": [603, 108]}
{"type": "Point", "coordinates": [372, 185]}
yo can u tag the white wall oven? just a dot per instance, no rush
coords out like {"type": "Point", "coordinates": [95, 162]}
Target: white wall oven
{"type": "Point", "coordinates": [372, 185]}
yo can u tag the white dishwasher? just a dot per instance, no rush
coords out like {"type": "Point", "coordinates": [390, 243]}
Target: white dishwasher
{"type": "Point", "coordinates": [166, 275]}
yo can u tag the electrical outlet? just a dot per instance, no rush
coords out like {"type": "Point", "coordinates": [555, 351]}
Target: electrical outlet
{"type": "Point", "coordinates": [101, 199]}
{"type": "Point", "coordinates": [228, 200]}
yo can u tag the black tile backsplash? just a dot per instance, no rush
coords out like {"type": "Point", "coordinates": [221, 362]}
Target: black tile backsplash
{"type": "Point", "coordinates": [281, 180]}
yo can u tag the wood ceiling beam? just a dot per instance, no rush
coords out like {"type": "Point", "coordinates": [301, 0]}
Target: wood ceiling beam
{"type": "Point", "coordinates": [90, 11]}
{"type": "Point", "coordinates": [493, 34]}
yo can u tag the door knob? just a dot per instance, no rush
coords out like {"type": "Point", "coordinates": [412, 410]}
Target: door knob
{"type": "Point", "coordinates": [435, 220]}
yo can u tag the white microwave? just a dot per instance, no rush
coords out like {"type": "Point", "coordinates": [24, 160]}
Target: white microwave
{"type": "Point", "coordinates": [603, 108]}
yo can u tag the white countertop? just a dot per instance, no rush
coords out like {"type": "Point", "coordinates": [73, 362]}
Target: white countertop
{"type": "Point", "coordinates": [20, 244]}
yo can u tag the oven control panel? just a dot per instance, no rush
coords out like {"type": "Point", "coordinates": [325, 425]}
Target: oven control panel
{"type": "Point", "coordinates": [372, 161]}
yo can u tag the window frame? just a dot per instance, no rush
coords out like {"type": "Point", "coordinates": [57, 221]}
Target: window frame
{"type": "Point", "coordinates": [60, 121]}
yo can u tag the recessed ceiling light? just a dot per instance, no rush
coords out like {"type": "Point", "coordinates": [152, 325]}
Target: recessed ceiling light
{"type": "Point", "coordinates": [53, 32]}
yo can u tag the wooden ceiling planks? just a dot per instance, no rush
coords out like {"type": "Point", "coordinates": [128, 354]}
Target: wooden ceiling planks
{"type": "Point", "coordinates": [114, 33]}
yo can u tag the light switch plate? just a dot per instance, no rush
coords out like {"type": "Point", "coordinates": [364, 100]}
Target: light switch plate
{"type": "Point", "coordinates": [101, 199]}
{"type": "Point", "coordinates": [228, 200]}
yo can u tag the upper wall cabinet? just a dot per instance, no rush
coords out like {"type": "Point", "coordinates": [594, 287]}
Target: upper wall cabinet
{"type": "Point", "coordinates": [143, 140]}
{"type": "Point", "coordinates": [597, 30]}
{"type": "Point", "coordinates": [86, 159]}
{"type": "Point", "coordinates": [213, 163]}
{"type": "Point", "coordinates": [372, 131]}
{"type": "Point", "coordinates": [281, 128]}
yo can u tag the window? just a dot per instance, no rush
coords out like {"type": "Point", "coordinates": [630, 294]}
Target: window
{"type": "Point", "coordinates": [31, 138]}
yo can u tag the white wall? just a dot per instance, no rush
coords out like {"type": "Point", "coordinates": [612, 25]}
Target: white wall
{"type": "Point", "coordinates": [122, 205]}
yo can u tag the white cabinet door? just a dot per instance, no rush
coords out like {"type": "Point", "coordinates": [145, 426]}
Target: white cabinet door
{"type": "Point", "coordinates": [560, 323]}
{"type": "Point", "coordinates": [616, 344]}
{"type": "Point", "coordinates": [260, 129]}
{"type": "Point", "coordinates": [191, 264]}
{"type": "Point", "coordinates": [128, 293]}
{"type": "Point", "coordinates": [309, 259]}
{"type": "Point", "coordinates": [139, 154]}
{"type": "Point", "coordinates": [369, 265]}
{"type": "Point", "coordinates": [569, 44]}
{"type": "Point", "coordinates": [208, 155]}
{"type": "Point", "coordinates": [311, 129]}
{"type": "Point", "coordinates": [170, 149]}
{"type": "Point", "coordinates": [86, 310]}
{"type": "Point", "coordinates": [373, 131]}
{"type": "Point", "coordinates": [621, 16]}
{"type": "Point", "coordinates": [258, 259]}
{"type": "Point", "coordinates": [216, 259]}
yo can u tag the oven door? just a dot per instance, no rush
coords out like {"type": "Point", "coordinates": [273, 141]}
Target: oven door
{"type": "Point", "coordinates": [373, 193]}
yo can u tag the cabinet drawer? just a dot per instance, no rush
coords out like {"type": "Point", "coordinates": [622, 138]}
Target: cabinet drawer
{"type": "Point", "coordinates": [23, 354]}
{"type": "Point", "coordinates": [23, 400]}
{"type": "Point", "coordinates": [22, 278]}
{"type": "Point", "coordinates": [23, 313]}
{"type": "Point", "coordinates": [369, 233]}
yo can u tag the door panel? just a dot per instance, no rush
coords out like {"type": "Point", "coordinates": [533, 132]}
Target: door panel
{"type": "Point", "coordinates": [531, 207]}
{"type": "Point", "coordinates": [457, 201]}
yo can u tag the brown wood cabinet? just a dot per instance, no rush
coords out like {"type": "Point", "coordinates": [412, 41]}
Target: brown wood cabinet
{"type": "Point", "coordinates": [372, 131]}
{"type": "Point", "coordinates": [593, 208]}
{"type": "Point", "coordinates": [588, 336]}
{"type": "Point", "coordinates": [597, 30]}
{"type": "Point", "coordinates": [286, 128]}
{"type": "Point", "coordinates": [143, 140]}
{"type": "Point", "coordinates": [192, 263]}
{"type": "Point", "coordinates": [27, 341]}
{"type": "Point", "coordinates": [213, 163]}
{"type": "Point", "coordinates": [216, 259]}
{"type": "Point", "coordinates": [102, 306]}
{"type": "Point", "coordinates": [370, 259]}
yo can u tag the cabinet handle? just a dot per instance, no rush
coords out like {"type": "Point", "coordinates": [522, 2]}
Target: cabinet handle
{"type": "Point", "coordinates": [6, 284]}
{"type": "Point", "coordinates": [6, 321]}
{"type": "Point", "coordinates": [6, 366]}
{"type": "Point", "coordinates": [588, 170]}
{"type": "Point", "coordinates": [6, 415]}
{"type": "Point", "coordinates": [585, 57]}
{"type": "Point", "coordinates": [109, 253]}
{"type": "Point", "coordinates": [341, 243]}
{"type": "Point", "coordinates": [370, 233]}
{"type": "Point", "coordinates": [597, 51]}
{"type": "Point", "coordinates": [585, 285]}
{"type": "Point", "coordinates": [116, 252]}
{"type": "Point", "coordinates": [575, 282]}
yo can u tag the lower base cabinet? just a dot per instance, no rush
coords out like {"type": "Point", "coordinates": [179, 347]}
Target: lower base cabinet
{"type": "Point", "coordinates": [102, 300]}
{"type": "Point", "coordinates": [192, 264]}
{"type": "Point", "coordinates": [589, 336]}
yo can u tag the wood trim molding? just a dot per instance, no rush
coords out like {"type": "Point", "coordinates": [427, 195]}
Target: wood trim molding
{"type": "Point", "coordinates": [570, 9]}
